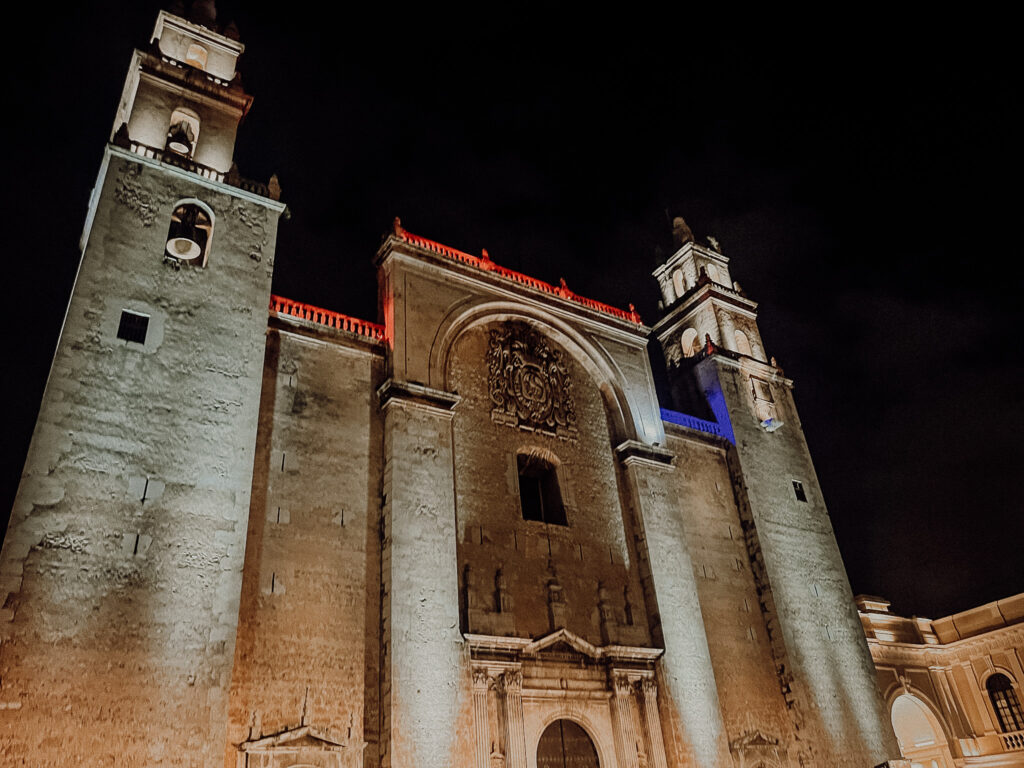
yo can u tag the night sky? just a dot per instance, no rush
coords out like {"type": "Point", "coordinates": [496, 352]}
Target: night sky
{"type": "Point", "coordinates": [862, 174]}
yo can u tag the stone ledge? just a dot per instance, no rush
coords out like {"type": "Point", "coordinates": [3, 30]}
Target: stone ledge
{"type": "Point", "coordinates": [418, 394]}
{"type": "Point", "coordinates": [634, 450]}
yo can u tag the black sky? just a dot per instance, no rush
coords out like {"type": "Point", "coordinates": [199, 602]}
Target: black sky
{"type": "Point", "coordinates": [861, 173]}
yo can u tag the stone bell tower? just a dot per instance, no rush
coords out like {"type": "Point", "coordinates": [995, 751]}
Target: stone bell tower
{"type": "Point", "coordinates": [718, 369]}
{"type": "Point", "coordinates": [121, 568]}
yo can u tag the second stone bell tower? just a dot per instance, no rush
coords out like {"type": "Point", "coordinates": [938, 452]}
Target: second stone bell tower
{"type": "Point", "coordinates": [121, 568]}
{"type": "Point", "coordinates": [718, 369]}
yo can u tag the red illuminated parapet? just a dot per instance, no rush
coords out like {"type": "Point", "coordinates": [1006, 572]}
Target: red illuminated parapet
{"type": "Point", "coordinates": [486, 264]}
{"type": "Point", "coordinates": [282, 306]}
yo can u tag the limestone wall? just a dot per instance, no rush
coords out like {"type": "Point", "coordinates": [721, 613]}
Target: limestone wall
{"type": "Point", "coordinates": [748, 687]}
{"type": "Point", "coordinates": [424, 683]}
{"type": "Point", "coordinates": [122, 564]}
{"type": "Point", "coordinates": [593, 549]}
{"type": "Point", "coordinates": [835, 700]}
{"type": "Point", "coordinates": [309, 626]}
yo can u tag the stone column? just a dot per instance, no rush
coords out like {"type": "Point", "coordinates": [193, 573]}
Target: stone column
{"type": "Point", "coordinates": [515, 728]}
{"type": "Point", "coordinates": [652, 723]}
{"type": "Point", "coordinates": [627, 736]}
{"type": "Point", "coordinates": [664, 555]}
{"type": "Point", "coordinates": [420, 604]}
{"type": "Point", "coordinates": [481, 731]}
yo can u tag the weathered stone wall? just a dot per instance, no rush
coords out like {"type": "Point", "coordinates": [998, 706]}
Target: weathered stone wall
{"type": "Point", "coordinates": [748, 687]}
{"type": "Point", "coordinates": [309, 627]}
{"type": "Point", "coordinates": [424, 678]}
{"type": "Point", "coordinates": [687, 696]}
{"type": "Point", "coordinates": [592, 550]}
{"type": "Point", "coordinates": [835, 698]}
{"type": "Point", "coordinates": [122, 564]}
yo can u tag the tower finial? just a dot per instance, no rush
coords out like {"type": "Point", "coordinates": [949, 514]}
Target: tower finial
{"type": "Point", "coordinates": [681, 232]}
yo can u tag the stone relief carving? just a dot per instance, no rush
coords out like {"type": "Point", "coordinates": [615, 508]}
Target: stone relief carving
{"type": "Point", "coordinates": [529, 382]}
{"type": "Point", "coordinates": [754, 748]}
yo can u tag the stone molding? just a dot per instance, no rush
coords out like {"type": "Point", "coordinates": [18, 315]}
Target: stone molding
{"type": "Point", "coordinates": [410, 393]}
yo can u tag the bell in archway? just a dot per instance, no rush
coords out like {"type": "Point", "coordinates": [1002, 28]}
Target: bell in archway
{"type": "Point", "coordinates": [186, 239]}
{"type": "Point", "coordinates": [180, 138]}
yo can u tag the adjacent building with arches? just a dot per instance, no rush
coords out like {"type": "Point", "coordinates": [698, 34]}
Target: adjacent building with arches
{"type": "Point", "coordinates": [953, 685]}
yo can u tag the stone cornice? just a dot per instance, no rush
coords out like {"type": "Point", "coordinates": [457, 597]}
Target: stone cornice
{"type": "Point", "coordinates": [416, 394]}
{"type": "Point", "coordinates": [633, 451]}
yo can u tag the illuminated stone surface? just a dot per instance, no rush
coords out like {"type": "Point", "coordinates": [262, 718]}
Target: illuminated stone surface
{"type": "Point", "coordinates": [935, 677]}
{"type": "Point", "coordinates": [300, 540]}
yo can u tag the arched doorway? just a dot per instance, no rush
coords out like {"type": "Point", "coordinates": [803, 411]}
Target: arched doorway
{"type": "Point", "coordinates": [564, 744]}
{"type": "Point", "coordinates": [921, 738]}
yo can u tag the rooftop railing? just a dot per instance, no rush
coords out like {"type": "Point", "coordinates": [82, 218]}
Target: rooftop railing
{"type": "Point", "coordinates": [282, 306]}
{"type": "Point", "coordinates": [484, 262]}
{"type": "Point", "coordinates": [685, 420]}
{"type": "Point", "coordinates": [188, 164]}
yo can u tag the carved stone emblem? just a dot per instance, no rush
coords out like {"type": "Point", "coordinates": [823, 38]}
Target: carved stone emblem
{"type": "Point", "coordinates": [529, 383]}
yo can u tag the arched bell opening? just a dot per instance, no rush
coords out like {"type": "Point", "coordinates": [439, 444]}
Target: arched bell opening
{"type": "Point", "coordinates": [689, 342]}
{"type": "Point", "coordinates": [189, 234]}
{"type": "Point", "coordinates": [183, 133]}
{"type": "Point", "coordinates": [742, 343]}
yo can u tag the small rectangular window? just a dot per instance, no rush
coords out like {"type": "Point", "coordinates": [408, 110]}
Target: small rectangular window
{"type": "Point", "coordinates": [133, 327]}
{"type": "Point", "coordinates": [798, 489]}
{"type": "Point", "coordinates": [539, 494]}
{"type": "Point", "coordinates": [762, 390]}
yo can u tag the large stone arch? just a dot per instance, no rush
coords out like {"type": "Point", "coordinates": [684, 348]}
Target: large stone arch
{"type": "Point", "coordinates": [901, 695]}
{"type": "Point", "coordinates": [594, 360]}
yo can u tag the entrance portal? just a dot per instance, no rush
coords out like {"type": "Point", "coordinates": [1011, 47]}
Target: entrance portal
{"type": "Point", "coordinates": [564, 744]}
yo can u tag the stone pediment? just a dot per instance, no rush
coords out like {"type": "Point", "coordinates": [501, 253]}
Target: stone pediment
{"type": "Point", "coordinates": [562, 641]}
{"type": "Point", "coordinates": [559, 643]}
{"type": "Point", "coordinates": [304, 738]}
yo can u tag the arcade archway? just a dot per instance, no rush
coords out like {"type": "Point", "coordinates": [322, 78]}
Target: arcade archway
{"type": "Point", "coordinates": [921, 737]}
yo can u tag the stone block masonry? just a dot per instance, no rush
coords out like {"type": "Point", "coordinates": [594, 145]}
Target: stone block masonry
{"type": "Point", "coordinates": [123, 560]}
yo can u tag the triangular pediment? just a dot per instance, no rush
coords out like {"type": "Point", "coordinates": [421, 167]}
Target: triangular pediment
{"type": "Point", "coordinates": [303, 737]}
{"type": "Point", "coordinates": [562, 641]}
{"type": "Point", "coordinates": [753, 739]}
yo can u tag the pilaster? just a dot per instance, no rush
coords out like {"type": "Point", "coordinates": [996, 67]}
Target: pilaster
{"type": "Point", "coordinates": [628, 739]}
{"type": "Point", "coordinates": [515, 732]}
{"type": "Point", "coordinates": [652, 723]}
{"type": "Point", "coordinates": [481, 720]}
{"type": "Point", "coordinates": [422, 644]}
{"type": "Point", "coordinates": [689, 677]}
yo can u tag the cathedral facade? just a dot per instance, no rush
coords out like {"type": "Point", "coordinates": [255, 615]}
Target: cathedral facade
{"type": "Point", "coordinates": [255, 533]}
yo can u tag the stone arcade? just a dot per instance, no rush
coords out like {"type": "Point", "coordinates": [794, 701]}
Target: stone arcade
{"type": "Point", "coordinates": [467, 536]}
